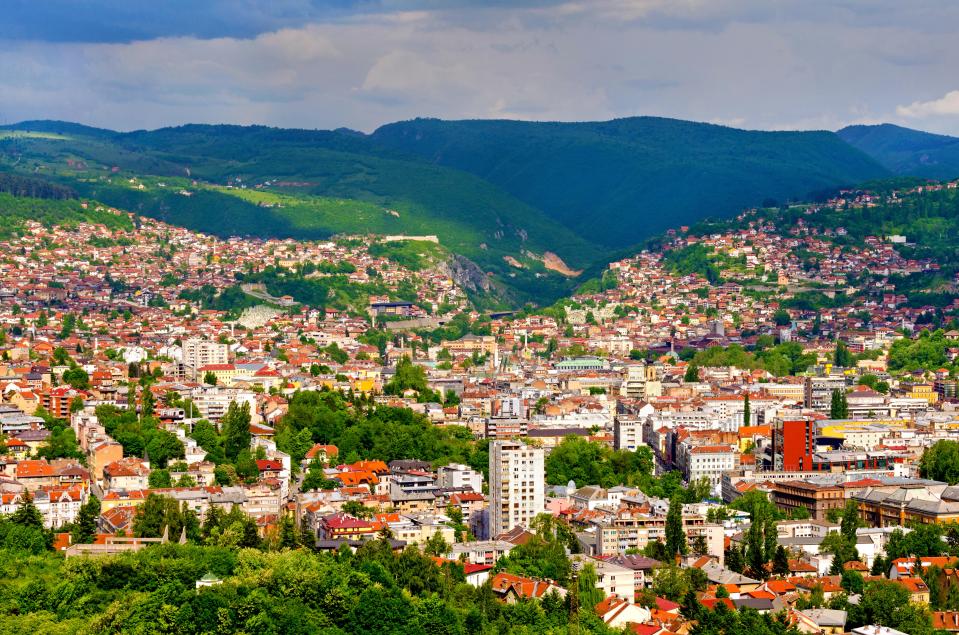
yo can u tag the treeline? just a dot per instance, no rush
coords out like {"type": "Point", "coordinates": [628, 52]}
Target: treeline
{"type": "Point", "coordinates": [25, 186]}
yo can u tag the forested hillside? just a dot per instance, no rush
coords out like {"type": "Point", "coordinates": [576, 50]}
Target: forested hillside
{"type": "Point", "coordinates": [620, 181]}
{"type": "Point", "coordinates": [511, 196]}
{"type": "Point", "coordinates": [905, 151]}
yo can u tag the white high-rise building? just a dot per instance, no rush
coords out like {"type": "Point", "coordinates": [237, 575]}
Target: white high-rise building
{"type": "Point", "coordinates": [199, 352]}
{"type": "Point", "coordinates": [517, 485]}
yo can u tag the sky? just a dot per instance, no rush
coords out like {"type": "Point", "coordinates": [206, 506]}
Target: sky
{"type": "Point", "coordinates": [763, 64]}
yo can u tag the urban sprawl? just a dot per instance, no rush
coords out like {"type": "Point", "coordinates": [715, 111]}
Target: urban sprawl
{"type": "Point", "coordinates": [674, 436]}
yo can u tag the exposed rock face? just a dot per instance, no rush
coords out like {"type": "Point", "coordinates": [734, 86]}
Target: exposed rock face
{"type": "Point", "coordinates": [467, 274]}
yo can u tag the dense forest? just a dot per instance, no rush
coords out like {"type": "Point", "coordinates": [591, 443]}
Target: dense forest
{"type": "Point", "coordinates": [18, 185]}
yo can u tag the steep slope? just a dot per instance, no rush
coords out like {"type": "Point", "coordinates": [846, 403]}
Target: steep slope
{"type": "Point", "coordinates": [619, 181]}
{"type": "Point", "coordinates": [905, 151]}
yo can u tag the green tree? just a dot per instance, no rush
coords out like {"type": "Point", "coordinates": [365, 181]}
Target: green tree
{"type": "Point", "coordinates": [27, 514]}
{"type": "Point", "coordinates": [209, 378]}
{"type": "Point", "coordinates": [85, 528]}
{"type": "Point", "coordinates": [675, 535]}
{"type": "Point", "coordinates": [838, 407]}
{"type": "Point", "coordinates": [781, 561]}
{"type": "Point", "coordinates": [436, 545]}
{"type": "Point", "coordinates": [587, 589]}
{"type": "Point", "coordinates": [941, 462]}
{"type": "Point", "coordinates": [842, 357]}
{"type": "Point", "coordinates": [236, 430]}
{"type": "Point", "coordinates": [77, 378]}
{"type": "Point", "coordinates": [692, 374]}
{"type": "Point", "coordinates": [159, 479]}
{"type": "Point", "coordinates": [747, 414]}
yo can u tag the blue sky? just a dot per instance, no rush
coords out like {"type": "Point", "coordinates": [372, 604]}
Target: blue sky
{"type": "Point", "coordinates": [768, 64]}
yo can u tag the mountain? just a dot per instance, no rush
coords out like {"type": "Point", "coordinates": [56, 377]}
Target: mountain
{"type": "Point", "coordinates": [905, 151]}
{"type": "Point", "coordinates": [530, 203]}
{"type": "Point", "coordinates": [620, 181]}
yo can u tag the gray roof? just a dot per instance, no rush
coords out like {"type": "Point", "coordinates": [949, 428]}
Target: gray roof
{"type": "Point", "coordinates": [826, 617]}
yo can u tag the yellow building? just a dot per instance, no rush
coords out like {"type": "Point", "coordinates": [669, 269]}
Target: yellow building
{"type": "Point", "coordinates": [921, 391]}
{"type": "Point", "coordinates": [224, 373]}
{"type": "Point", "coordinates": [863, 434]}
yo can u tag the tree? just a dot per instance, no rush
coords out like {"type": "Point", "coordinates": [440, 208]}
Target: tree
{"type": "Point", "coordinates": [27, 514]}
{"type": "Point", "coordinates": [692, 374]}
{"type": "Point", "coordinates": [781, 317]}
{"type": "Point", "coordinates": [838, 407]}
{"type": "Point", "coordinates": [941, 462]}
{"type": "Point", "coordinates": [852, 582]}
{"type": "Point", "coordinates": [734, 559]}
{"type": "Point", "coordinates": [147, 402]}
{"type": "Point", "coordinates": [781, 561]}
{"type": "Point", "coordinates": [164, 446]}
{"type": "Point", "coordinates": [85, 528]}
{"type": "Point", "coordinates": [888, 603]}
{"type": "Point", "coordinates": [675, 535]}
{"type": "Point", "coordinates": [586, 587]}
{"type": "Point", "coordinates": [842, 357]}
{"type": "Point", "coordinates": [842, 550]}
{"type": "Point", "coordinates": [436, 545]}
{"type": "Point", "coordinates": [236, 430]}
{"type": "Point", "coordinates": [289, 535]}
{"type": "Point", "coordinates": [747, 415]}
{"type": "Point", "coordinates": [850, 521]}
{"type": "Point", "coordinates": [671, 582]}
{"type": "Point", "coordinates": [77, 378]}
{"type": "Point", "coordinates": [159, 479]}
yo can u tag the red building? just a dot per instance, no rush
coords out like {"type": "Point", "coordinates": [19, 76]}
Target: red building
{"type": "Point", "coordinates": [793, 445]}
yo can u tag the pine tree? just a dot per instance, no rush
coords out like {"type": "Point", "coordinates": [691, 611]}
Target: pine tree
{"type": "Point", "coordinates": [27, 515]}
{"type": "Point", "coordinates": [747, 415]}
{"type": "Point", "coordinates": [85, 529]}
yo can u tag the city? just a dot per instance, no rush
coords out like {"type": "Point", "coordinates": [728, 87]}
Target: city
{"type": "Point", "coordinates": [446, 317]}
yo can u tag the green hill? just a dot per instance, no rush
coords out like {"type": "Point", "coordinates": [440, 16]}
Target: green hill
{"type": "Point", "coordinates": [501, 193]}
{"type": "Point", "coordinates": [232, 180]}
{"type": "Point", "coordinates": [905, 151]}
{"type": "Point", "coordinates": [620, 181]}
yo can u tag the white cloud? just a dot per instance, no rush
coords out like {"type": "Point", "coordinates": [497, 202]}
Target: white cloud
{"type": "Point", "coordinates": [731, 61]}
{"type": "Point", "coordinates": [947, 105]}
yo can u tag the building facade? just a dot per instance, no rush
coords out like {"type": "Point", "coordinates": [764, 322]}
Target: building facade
{"type": "Point", "coordinates": [517, 485]}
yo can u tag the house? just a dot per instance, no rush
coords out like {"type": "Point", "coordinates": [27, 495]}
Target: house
{"type": "Point", "coordinates": [344, 526]}
{"type": "Point", "coordinates": [512, 588]}
{"type": "Point", "coordinates": [476, 574]}
{"type": "Point", "coordinates": [641, 566]}
{"type": "Point", "coordinates": [617, 612]}
{"type": "Point", "coordinates": [946, 621]}
{"type": "Point", "coordinates": [821, 621]}
{"type": "Point", "coordinates": [612, 578]}
{"type": "Point", "coordinates": [126, 474]}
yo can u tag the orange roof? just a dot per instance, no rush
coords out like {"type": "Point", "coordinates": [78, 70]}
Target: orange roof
{"type": "Point", "coordinates": [750, 431]}
{"type": "Point", "coordinates": [34, 469]}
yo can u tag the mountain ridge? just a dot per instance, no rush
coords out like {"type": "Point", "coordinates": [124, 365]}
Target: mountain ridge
{"type": "Point", "coordinates": [905, 151]}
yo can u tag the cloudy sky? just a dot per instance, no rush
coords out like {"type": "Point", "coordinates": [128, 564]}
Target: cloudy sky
{"type": "Point", "coordinates": [770, 64]}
